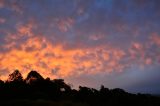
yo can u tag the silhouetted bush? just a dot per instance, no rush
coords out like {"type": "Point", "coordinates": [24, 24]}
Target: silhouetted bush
{"type": "Point", "coordinates": [37, 91]}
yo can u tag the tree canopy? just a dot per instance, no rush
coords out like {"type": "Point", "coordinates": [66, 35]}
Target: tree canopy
{"type": "Point", "coordinates": [35, 87]}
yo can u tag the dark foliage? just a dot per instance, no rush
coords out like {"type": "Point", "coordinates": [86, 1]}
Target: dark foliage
{"type": "Point", "coordinates": [35, 90]}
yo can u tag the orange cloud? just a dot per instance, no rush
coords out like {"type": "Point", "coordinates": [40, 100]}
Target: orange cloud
{"type": "Point", "coordinates": [45, 57]}
{"type": "Point", "coordinates": [25, 30]}
{"type": "Point", "coordinates": [38, 53]}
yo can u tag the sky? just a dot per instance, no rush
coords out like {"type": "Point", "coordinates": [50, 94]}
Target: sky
{"type": "Point", "coordinates": [86, 42]}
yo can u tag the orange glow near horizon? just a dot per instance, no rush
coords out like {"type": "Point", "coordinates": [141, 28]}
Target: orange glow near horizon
{"type": "Point", "coordinates": [54, 61]}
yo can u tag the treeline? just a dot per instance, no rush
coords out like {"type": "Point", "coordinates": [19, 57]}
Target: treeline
{"type": "Point", "coordinates": [35, 87]}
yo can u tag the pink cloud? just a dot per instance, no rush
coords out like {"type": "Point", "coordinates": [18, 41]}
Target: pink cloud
{"type": "Point", "coordinates": [155, 39]}
{"type": "Point", "coordinates": [96, 37]}
{"type": "Point", "coordinates": [65, 24]}
{"type": "Point", "coordinates": [2, 3]}
{"type": "Point", "coordinates": [2, 20]}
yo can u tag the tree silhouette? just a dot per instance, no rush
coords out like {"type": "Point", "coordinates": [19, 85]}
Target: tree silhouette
{"type": "Point", "coordinates": [33, 76]}
{"type": "Point", "coordinates": [15, 76]}
{"type": "Point", "coordinates": [62, 86]}
{"type": "Point", "coordinates": [35, 87]}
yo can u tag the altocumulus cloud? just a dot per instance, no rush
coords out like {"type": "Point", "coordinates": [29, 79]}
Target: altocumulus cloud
{"type": "Point", "coordinates": [82, 39]}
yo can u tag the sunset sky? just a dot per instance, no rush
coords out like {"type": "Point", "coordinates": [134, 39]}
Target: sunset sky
{"type": "Point", "coordinates": [86, 42]}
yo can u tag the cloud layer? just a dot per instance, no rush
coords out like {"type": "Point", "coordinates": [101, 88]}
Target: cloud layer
{"type": "Point", "coordinates": [71, 39]}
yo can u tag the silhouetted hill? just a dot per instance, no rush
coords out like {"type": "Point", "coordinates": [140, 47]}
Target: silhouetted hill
{"type": "Point", "coordinates": [34, 90]}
